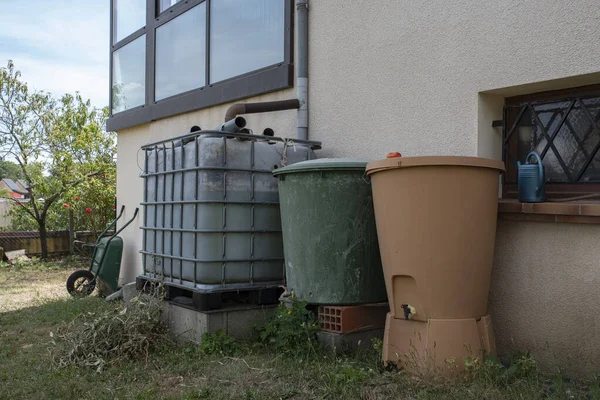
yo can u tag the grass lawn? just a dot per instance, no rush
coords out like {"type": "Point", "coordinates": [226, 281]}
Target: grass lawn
{"type": "Point", "coordinates": [34, 303]}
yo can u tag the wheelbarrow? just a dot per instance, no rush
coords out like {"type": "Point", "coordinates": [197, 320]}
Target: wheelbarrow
{"type": "Point", "coordinates": [105, 264]}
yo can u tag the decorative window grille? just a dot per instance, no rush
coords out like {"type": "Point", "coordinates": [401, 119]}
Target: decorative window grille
{"type": "Point", "coordinates": [563, 128]}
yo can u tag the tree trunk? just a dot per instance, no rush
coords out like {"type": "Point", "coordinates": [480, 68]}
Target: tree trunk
{"type": "Point", "coordinates": [43, 238]}
{"type": "Point", "coordinates": [71, 233]}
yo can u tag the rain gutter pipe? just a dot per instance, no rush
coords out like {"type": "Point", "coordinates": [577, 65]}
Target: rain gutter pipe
{"type": "Point", "coordinates": [301, 102]}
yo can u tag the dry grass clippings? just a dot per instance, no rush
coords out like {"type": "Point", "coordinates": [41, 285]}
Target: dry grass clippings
{"type": "Point", "coordinates": [106, 338]}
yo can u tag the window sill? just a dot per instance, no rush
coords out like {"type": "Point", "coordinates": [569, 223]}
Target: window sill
{"type": "Point", "coordinates": [574, 212]}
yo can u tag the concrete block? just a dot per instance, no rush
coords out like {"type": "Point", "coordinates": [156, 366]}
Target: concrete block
{"type": "Point", "coordinates": [129, 291]}
{"type": "Point", "coordinates": [185, 325]}
{"type": "Point", "coordinates": [188, 325]}
{"type": "Point", "coordinates": [115, 296]}
{"type": "Point", "coordinates": [16, 255]}
{"type": "Point", "coordinates": [241, 323]}
{"type": "Point", "coordinates": [349, 341]}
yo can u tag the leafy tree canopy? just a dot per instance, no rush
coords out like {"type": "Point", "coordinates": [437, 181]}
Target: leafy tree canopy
{"type": "Point", "coordinates": [10, 170]}
{"type": "Point", "coordinates": [63, 152]}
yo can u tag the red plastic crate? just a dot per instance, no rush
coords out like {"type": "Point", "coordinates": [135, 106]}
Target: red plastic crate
{"type": "Point", "coordinates": [347, 319]}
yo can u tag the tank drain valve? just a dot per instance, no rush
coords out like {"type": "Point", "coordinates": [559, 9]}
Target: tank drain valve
{"type": "Point", "coordinates": [408, 310]}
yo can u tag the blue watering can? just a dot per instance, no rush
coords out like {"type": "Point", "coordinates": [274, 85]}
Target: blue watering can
{"type": "Point", "coordinates": [531, 180]}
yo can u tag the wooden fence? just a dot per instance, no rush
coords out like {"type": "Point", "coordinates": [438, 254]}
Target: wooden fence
{"type": "Point", "coordinates": [58, 241]}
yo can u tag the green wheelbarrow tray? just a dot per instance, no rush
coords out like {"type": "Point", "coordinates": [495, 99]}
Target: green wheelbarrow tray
{"type": "Point", "coordinates": [105, 264]}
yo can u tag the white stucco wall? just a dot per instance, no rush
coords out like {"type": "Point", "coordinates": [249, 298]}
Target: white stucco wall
{"type": "Point", "coordinates": [422, 78]}
{"type": "Point", "coordinates": [544, 294]}
{"type": "Point", "coordinates": [405, 75]}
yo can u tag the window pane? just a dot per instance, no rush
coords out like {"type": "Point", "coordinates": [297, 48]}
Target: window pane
{"type": "Point", "coordinates": [180, 53]}
{"type": "Point", "coordinates": [164, 4]}
{"type": "Point", "coordinates": [129, 16]}
{"type": "Point", "coordinates": [592, 172]}
{"type": "Point", "coordinates": [129, 75]}
{"type": "Point", "coordinates": [245, 35]}
{"type": "Point", "coordinates": [575, 142]}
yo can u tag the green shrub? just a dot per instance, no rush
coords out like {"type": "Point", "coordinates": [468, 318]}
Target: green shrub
{"type": "Point", "coordinates": [291, 329]}
{"type": "Point", "coordinates": [218, 343]}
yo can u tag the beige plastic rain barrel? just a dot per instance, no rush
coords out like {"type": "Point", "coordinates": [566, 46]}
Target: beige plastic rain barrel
{"type": "Point", "coordinates": [436, 223]}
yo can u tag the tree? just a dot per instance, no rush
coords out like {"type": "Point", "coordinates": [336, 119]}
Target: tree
{"type": "Point", "coordinates": [58, 144]}
{"type": "Point", "coordinates": [92, 203]}
{"type": "Point", "coordinates": [11, 170]}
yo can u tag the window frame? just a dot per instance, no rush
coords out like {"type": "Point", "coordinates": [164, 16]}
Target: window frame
{"type": "Point", "coordinates": [556, 190]}
{"type": "Point", "coordinates": [264, 80]}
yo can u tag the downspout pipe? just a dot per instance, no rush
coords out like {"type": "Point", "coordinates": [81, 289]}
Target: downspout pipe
{"type": "Point", "coordinates": [253, 108]}
{"type": "Point", "coordinates": [301, 103]}
{"type": "Point", "coordinates": [302, 77]}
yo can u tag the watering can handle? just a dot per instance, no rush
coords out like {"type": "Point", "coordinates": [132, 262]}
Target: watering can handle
{"type": "Point", "coordinates": [540, 168]}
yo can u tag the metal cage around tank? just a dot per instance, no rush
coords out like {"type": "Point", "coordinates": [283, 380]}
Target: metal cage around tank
{"type": "Point", "coordinates": [211, 209]}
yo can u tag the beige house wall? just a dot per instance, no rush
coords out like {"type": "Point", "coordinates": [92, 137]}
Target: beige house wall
{"type": "Point", "coordinates": [428, 78]}
{"type": "Point", "coordinates": [544, 295]}
{"type": "Point", "coordinates": [5, 206]}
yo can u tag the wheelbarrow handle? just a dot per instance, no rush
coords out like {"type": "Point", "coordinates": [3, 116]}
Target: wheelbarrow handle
{"type": "Point", "coordinates": [135, 213]}
{"type": "Point", "coordinates": [113, 223]}
{"type": "Point", "coordinates": [111, 237]}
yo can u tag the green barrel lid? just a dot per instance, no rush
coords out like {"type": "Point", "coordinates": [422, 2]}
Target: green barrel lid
{"type": "Point", "coordinates": [324, 164]}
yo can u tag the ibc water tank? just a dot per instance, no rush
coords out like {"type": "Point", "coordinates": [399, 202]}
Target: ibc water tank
{"type": "Point", "coordinates": [211, 210]}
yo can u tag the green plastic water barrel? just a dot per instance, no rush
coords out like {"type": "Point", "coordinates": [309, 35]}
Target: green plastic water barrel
{"type": "Point", "coordinates": [329, 234]}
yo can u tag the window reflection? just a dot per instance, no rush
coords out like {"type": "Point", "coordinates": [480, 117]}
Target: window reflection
{"type": "Point", "coordinates": [129, 16]}
{"type": "Point", "coordinates": [164, 4]}
{"type": "Point", "coordinates": [245, 36]}
{"type": "Point", "coordinates": [129, 75]}
{"type": "Point", "coordinates": [180, 53]}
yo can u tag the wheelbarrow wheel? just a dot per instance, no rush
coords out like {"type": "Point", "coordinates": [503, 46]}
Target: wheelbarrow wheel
{"type": "Point", "coordinates": [80, 283]}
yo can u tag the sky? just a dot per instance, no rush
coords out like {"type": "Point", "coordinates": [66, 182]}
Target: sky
{"type": "Point", "coordinates": [60, 46]}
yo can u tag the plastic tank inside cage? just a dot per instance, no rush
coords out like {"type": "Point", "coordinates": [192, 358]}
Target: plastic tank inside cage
{"type": "Point", "coordinates": [211, 219]}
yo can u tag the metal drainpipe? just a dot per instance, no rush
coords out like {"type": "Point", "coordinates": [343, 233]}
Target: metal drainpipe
{"type": "Point", "coordinates": [301, 103]}
{"type": "Point", "coordinates": [302, 77]}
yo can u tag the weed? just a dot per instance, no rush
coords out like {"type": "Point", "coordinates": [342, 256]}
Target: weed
{"type": "Point", "coordinates": [205, 393]}
{"type": "Point", "coordinates": [218, 343]}
{"type": "Point", "coordinates": [595, 387]}
{"type": "Point", "coordinates": [488, 369]}
{"type": "Point", "coordinates": [377, 345]}
{"type": "Point", "coordinates": [522, 365]}
{"type": "Point", "coordinates": [351, 375]}
{"type": "Point", "coordinates": [291, 330]}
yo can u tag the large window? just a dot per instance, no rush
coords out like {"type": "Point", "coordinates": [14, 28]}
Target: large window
{"type": "Point", "coordinates": [245, 36]}
{"type": "Point", "coordinates": [181, 53]}
{"type": "Point", "coordinates": [164, 4]}
{"type": "Point", "coordinates": [129, 75]}
{"type": "Point", "coordinates": [128, 17]}
{"type": "Point", "coordinates": [563, 127]}
{"type": "Point", "coordinates": [172, 56]}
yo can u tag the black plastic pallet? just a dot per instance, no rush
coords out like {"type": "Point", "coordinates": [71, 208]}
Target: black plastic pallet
{"type": "Point", "coordinates": [211, 300]}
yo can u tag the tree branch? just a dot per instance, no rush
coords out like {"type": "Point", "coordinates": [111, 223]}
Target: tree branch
{"type": "Point", "coordinates": [25, 208]}
{"type": "Point", "coordinates": [66, 186]}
